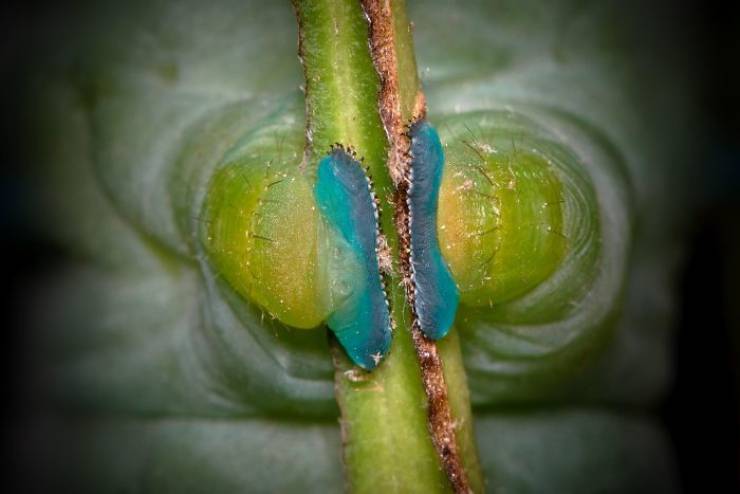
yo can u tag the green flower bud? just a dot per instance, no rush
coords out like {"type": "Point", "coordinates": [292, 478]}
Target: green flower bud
{"type": "Point", "coordinates": [534, 224]}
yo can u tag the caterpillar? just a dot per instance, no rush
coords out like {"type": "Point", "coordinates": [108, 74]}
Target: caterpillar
{"type": "Point", "coordinates": [344, 195]}
{"type": "Point", "coordinates": [435, 293]}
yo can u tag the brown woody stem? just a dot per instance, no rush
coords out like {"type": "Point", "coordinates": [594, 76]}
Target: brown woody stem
{"type": "Point", "coordinates": [396, 115]}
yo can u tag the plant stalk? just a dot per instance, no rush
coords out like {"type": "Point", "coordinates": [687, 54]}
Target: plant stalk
{"type": "Point", "coordinates": [362, 91]}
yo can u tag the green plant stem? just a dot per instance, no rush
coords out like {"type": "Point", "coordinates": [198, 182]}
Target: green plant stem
{"type": "Point", "coordinates": [387, 444]}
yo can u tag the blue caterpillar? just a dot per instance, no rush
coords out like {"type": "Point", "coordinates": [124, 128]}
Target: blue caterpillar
{"type": "Point", "coordinates": [362, 323]}
{"type": "Point", "coordinates": [435, 293]}
{"type": "Point", "coordinates": [343, 192]}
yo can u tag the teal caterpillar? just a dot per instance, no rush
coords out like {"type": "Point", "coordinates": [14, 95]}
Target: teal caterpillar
{"type": "Point", "coordinates": [344, 195]}
{"type": "Point", "coordinates": [345, 198]}
{"type": "Point", "coordinates": [436, 296]}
